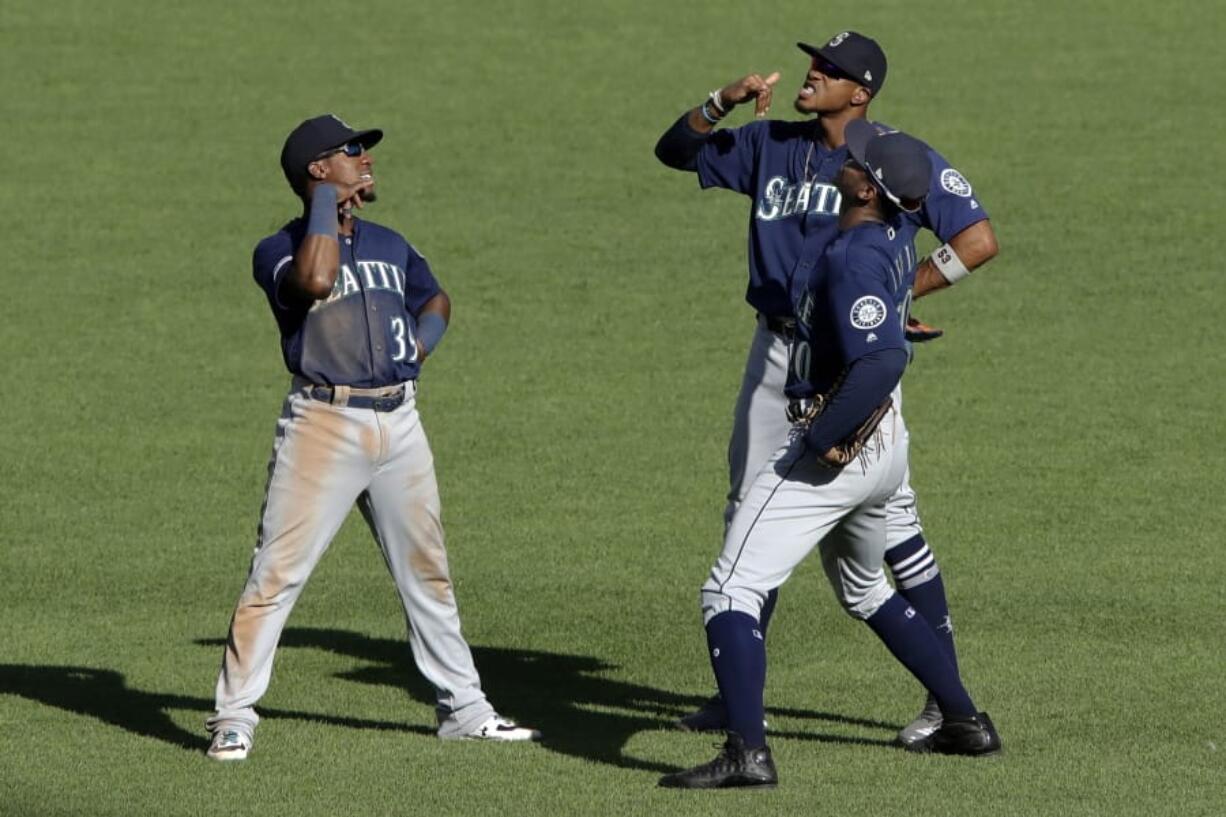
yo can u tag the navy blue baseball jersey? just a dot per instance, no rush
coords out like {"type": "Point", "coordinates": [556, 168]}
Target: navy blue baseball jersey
{"type": "Point", "coordinates": [364, 333]}
{"type": "Point", "coordinates": [855, 304]}
{"type": "Point", "coordinates": [790, 175]}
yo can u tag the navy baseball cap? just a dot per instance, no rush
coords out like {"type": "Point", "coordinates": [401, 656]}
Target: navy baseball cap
{"type": "Point", "coordinates": [897, 163]}
{"type": "Point", "coordinates": [306, 142]}
{"type": "Point", "coordinates": [856, 55]}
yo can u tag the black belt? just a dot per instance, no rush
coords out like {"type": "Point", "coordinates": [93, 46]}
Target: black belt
{"type": "Point", "coordinates": [388, 399]}
{"type": "Point", "coordinates": [780, 326]}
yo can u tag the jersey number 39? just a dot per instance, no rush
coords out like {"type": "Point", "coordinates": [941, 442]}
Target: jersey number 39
{"type": "Point", "coordinates": [404, 340]}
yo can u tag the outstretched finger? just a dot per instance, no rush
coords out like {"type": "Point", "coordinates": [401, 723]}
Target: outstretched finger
{"type": "Point", "coordinates": [762, 104]}
{"type": "Point", "coordinates": [764, 92]}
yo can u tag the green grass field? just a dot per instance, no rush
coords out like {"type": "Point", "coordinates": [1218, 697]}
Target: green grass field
{"type": "Point", "coordinates": [1068, 446]}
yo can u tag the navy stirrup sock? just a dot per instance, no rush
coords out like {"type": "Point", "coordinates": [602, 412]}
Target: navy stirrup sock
{"type": "Point", "coordinates": [918, 579]}
{"type": "Point", "coordinates": [914, 643]}
{"type": "Point", "coordinates": [738, 657]}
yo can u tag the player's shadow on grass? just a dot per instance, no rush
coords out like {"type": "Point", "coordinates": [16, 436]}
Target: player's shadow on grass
{"type": "Point", "coordinates": [580, 710]}
{"type": "Point", "coordinates": [105, 695]}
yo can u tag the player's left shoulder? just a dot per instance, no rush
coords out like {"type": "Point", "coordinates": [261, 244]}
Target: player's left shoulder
{"type": "Point", "coordinates": [946, 179]}
{"type": "Point", "coordinates": [389, 241]}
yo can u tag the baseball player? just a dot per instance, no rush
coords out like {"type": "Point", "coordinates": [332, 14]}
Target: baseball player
{"type": "Point", "coordinates": [359, 311]}
{"type": "Point", "coordinates": [788, 170]}
{"type": "Point", "coordinates": [828, 483]}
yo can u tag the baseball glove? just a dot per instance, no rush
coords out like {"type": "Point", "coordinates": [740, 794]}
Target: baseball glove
{"type": "Point", "coordinates": [807, 410]}
{"type": "Point", "coordinates": [917, 331]}
{"type": "Point", "coordinates": [850, 448]}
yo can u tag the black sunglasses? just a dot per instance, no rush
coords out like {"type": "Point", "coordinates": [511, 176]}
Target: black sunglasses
{"type": "Point", "coordinates": [351, 149]}
{"type": "Point", "coordinates": [827, 68]}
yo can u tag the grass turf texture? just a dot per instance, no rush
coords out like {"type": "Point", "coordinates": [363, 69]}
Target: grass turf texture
{"type": "Point", "coordinates": [1067, 449]}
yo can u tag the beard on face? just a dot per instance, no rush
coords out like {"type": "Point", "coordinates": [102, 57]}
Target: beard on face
{"type": "Point", "coordinates": [368, 195]}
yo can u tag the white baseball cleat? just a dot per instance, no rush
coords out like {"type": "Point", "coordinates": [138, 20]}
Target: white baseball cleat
{"type": "Point", "coordinates": [500, 729]}
{"type": "Point", "coordinates": [229, 745]}
{"type": "Point", "coordinates": [926, 723]}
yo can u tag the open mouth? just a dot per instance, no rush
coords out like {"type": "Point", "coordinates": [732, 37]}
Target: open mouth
{"type": "Point", "coordinates": [367, 177]}
{"type": "Point", "coordinates": [807, 90]}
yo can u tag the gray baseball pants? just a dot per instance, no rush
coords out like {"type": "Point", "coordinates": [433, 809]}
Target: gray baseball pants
{"type": "Point", "coordinates": [325, 459]}
{"type": "Point", "coordinates": [760, 426]}
{"type": "Point", "coordinates": [794, 505]}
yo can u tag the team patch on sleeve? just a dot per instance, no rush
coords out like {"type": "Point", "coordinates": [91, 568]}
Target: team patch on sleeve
{"type": "Point", "coordinates": [955, 183]}
{"type": "Point", "coordinates": [868, 312]}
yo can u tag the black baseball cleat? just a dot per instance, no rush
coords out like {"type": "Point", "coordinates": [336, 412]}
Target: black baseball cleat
{"type": "Point", "coordinates": [734, 767]}
{"type": "Point", "coordinates": [971, 735]}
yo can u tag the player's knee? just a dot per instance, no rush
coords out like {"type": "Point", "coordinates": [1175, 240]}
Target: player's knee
{"type": "Point", "coordinates": [270, 588]}
{"type": "Point", "coordinates": [739, 599]}
{"type": "Point", "coordinates": [862, 602]}
{"type": "Point", "coordinates": [268, 596]}
{"type": "Point", "coordinates": [912, 563]}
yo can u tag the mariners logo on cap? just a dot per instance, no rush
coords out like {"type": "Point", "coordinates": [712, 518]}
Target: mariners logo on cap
{"type": "Point", "coordinates": [868, 312]}
{"type": "Point", "coordinates": [955, 183]}
{"type": "Point", "coordinates": [838, 39]}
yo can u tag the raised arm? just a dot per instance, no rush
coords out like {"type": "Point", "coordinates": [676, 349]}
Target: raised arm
{"type": "Point", "coordinates": [679, 146]}
{"type": "Point", "coordinates": [318, 257]}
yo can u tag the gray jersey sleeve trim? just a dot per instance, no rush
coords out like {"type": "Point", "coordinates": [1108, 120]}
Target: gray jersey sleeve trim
{"type": "Point", "coordinates": [276, 285]}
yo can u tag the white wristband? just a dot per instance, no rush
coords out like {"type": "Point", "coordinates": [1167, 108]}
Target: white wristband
{"type": "Point", "coordinates": [949, 264]}
{"type": "Point", "coordinates": [717, 101]}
